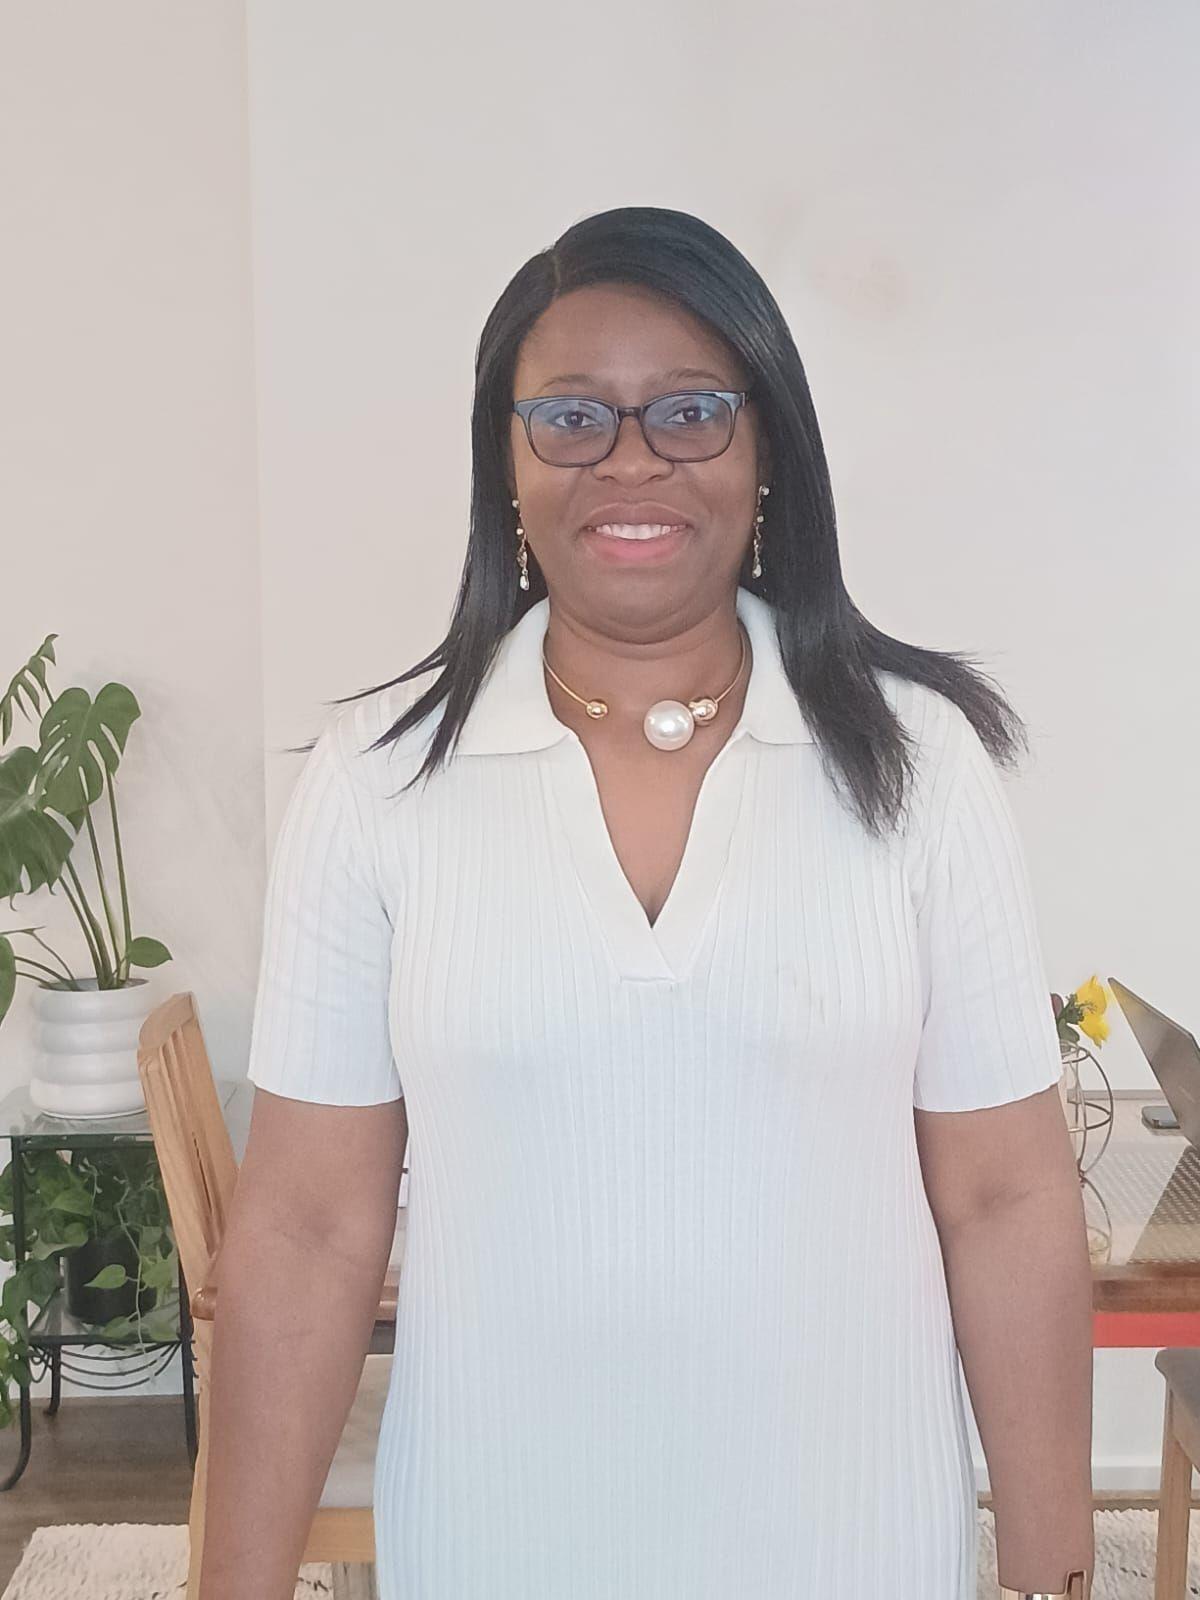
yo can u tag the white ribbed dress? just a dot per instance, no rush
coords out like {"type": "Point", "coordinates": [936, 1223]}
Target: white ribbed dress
{"type": "Point", "coordinates": [673, 1322]}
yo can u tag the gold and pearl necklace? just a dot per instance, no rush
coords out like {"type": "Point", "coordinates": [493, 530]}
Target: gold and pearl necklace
{"type": "Point", "coordinates": [669, 724]}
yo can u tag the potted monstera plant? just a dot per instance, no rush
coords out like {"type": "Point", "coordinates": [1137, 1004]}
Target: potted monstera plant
{"type": "Point", "coordinates": [86, 1050]}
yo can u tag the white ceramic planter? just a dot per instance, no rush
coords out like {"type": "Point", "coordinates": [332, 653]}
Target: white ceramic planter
{"type": "Point", "coordinates": [85, 1042]}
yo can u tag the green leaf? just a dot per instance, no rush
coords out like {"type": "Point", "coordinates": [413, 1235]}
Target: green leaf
{"type": "Point", "coordinates": [13, 1300]}
{"type": "Point", "coordinates": [81, 740]}
{"type": "Point", "coordinates": [28, 679]}
{"type": "Point", "coordinates": [143, 952]}
{"type": "Point", "coordinates": [8, 975]}
{"type": "Point", "coordinates": [43, 1278]}
{"type": "Point", "coordinates": [110, 1277]}
{"type": "Point", "coordinates": [158, 1325]}
{"type": "Point", "coordinates": [33, 846]}
{"type": "Point", "coordinates": [158, 1272]}
{"type": "Point", "coordinates": [50, 1240]}
{"type": "Point", "coordinates": [118, 1327]}
{"type": "Point", "coordinates": [75, 1199]}
{"type": "Point", "coordinates": [53, 1177]}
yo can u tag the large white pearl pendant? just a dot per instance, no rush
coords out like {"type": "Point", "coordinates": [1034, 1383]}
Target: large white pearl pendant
{"type": "Point", "coordinates": [669, 724]}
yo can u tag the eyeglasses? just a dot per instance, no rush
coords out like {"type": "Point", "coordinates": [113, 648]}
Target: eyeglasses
{"type": "Point", "coordinates": [574, 431]}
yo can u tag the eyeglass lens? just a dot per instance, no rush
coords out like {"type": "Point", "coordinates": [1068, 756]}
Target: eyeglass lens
{"type": "Point", "coordinates": [568, 431]}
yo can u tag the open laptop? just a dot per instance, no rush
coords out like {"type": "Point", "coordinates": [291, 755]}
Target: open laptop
{"type": "Point", "coordinates": [1174, 1058]}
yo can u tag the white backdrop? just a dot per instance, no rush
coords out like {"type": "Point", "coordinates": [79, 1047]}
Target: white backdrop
{"type": "Point", "coordinates": [977, 221]}
{"type": "Point", "coordinates": [239, 323]}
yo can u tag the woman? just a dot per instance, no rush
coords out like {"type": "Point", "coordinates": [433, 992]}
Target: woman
{"type": "Point", "coordinates": [686, 911]}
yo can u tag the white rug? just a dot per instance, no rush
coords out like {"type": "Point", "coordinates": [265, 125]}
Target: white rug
{"type": "Point", "coordinates": [120, 1561]}
{"type": "Point", "coordinates": [137, 1561]}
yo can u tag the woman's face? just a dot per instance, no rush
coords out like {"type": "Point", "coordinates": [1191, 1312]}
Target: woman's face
{"type": "Point", "coordinates": [628, 345]}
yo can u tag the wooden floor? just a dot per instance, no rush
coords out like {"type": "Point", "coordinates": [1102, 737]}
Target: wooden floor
{"type": "Point", "coordinates": [125, 1460]}
{"type": "Point", "coordinates": [106, 1459]}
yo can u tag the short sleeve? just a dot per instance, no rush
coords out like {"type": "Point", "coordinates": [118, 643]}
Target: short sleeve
{"type": "Point", "coordinates": [320, 1030]}
{"type": "Point", "coordinates": [989, 1034]}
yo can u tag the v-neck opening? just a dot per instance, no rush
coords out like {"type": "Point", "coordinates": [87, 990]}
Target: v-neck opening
{"type": "Point", "coordinates": [666, 949]}
{"type": "Point", "coordinates": [663, 950]}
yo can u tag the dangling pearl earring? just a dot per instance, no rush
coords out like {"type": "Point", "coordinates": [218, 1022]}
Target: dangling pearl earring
{"type": "Point", "coordinates": [522, 557]}
{"type": "Point", "coordinates": [756, 569]}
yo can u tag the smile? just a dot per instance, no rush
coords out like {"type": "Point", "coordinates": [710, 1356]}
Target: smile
{"type": "Point", "coordinates": [636, 530]}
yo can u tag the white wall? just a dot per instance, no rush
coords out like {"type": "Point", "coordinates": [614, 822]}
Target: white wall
{"type": "Point", "coordinates": [977, 219]}
{"type": "Point", "coordinates": [127, 463]}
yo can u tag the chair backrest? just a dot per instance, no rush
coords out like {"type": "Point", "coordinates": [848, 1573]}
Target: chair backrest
{"type": "Point", "coordinates": [195, 1153]}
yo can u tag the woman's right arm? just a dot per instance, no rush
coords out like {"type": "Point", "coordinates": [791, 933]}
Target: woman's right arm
{"type": "Point", "coordinates": [299, 1274]}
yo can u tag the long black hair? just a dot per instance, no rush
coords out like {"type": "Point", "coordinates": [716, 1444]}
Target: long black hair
{"type": "Point", "coordinates": [830, 651]}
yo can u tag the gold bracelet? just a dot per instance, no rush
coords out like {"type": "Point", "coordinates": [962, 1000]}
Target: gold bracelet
{"type": "Point", "coordinates": [1079, 1587]}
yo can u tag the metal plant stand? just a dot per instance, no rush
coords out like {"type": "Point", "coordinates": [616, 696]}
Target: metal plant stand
{"type": "Point", "coordinates": [59, 1342]}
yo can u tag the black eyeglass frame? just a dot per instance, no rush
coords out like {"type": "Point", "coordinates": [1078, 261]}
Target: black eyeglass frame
{"type": "Point", "coordinates": [735, 399]}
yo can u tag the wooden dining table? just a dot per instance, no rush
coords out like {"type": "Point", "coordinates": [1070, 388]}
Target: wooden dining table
{"type": "Point", "coordinates": [1141, 1201]}
{"type": "Point", "coordinates": [1141, 1198]}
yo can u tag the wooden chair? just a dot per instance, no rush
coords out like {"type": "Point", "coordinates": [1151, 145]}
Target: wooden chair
{"type": "Point", "coordinates": [199, 1172]}
{"type": "Point", "coordinates": [1180, 1453]}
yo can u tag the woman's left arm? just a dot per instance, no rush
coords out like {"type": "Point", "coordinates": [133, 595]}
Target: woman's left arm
{"type": "Point", "coordinates": [1005, 1195]}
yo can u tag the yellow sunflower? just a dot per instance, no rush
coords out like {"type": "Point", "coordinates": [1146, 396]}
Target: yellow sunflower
{"type": "Point", "coordinates": [1093, 1000]}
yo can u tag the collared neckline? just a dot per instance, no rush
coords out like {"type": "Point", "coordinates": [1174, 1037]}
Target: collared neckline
{"type": "Point", "coordinates": [511, 711]}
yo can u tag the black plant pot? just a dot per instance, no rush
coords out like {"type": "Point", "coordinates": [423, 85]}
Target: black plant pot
{"type": "Point", "coordinates": [102, 1305]}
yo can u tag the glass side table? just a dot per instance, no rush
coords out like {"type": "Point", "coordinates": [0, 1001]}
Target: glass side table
{"type": "Point", "coordinates": [58, 1341]}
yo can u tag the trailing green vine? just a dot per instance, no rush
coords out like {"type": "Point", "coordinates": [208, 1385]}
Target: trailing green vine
{"type": "Point", "coordinates": [105, 1194]}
